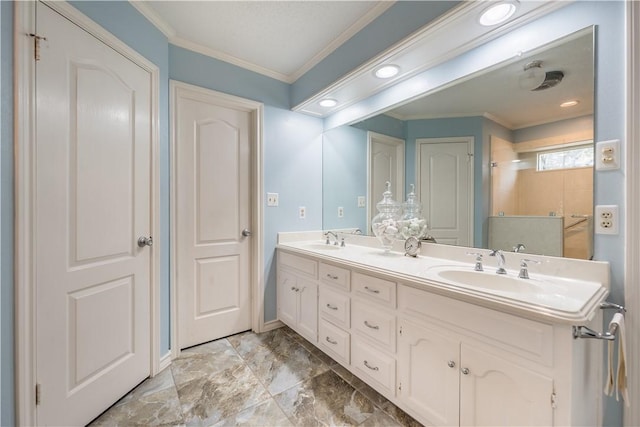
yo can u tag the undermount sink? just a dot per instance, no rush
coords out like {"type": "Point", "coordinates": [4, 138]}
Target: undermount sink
{"type": "Point", "coordinates": [490, 281]}
{"type": "Point", "coordinates": [322, 247]}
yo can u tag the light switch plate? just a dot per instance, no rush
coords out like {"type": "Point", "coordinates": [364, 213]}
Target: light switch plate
{"type": "Point", "coordinates": [362, 202]}
{"type": "Point", "coordinates": [608, 155]}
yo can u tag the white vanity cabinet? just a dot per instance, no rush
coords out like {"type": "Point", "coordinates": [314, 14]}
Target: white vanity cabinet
{"type": "Point", "coordinates": [449, 383]}
{"type": "Point", "coordinates": [442, 357]}
{"type": "Point", "coordinates": [298, 294]}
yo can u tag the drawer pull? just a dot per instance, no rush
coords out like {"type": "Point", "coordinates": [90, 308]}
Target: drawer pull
{"type": "Point", "coordinates": [373, 368]}
{"type": "Point", "coordinates": [293, 288]}
{"type": "Point", "coordinates": [332, 277]}
{"type": "Point", "coordinates": [369, 325]}
{"type": "Point", "coordinates": [465, 371]}
{"type": "Point", "coordinates": [373, 291]}
{"type": "Point", "coordinates": [451, 364]}
{"type": "Point", "coordinates": [332, 307]}
{"type": "Point", "coordinates": [330, 341]}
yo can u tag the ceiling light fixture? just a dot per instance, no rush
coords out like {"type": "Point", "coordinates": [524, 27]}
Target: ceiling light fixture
{"type": "Point", "coordinates": [386, 71]}
{"type": "Point", "coordinates": [571, 103]}
{"type": "Point", "coordinates": [497, 13]}
{"type": "Point", "coordinates": [328, 102]}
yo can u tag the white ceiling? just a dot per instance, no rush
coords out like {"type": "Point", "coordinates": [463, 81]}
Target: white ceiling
{"type": "Point", "coordinates": [280, 39]}
{"type": "Point", "coordinates": [497, 94]}
{"type": "Point", "coordinates": [283, 39]}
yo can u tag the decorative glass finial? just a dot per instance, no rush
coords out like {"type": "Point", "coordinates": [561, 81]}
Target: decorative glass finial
{"type": "Point", "coordinates": [412, 224]}
{"type": "Point", "coordinates": [385, 224]}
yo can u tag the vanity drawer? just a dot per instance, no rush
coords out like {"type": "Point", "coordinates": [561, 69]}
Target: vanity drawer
{"type": "Point", "coordinates": [335, 341]}
{"type": "Point", "coordinates": [337, 276]}
{"type": "Point", "coordinates": [335, 307]}
{"type": "Point", "coordinates": [298, 263]}
{"type": "Point", "coordinates": [375, 324]}
{"type": "Point", "coordinates": [374, 365]}
{"type": "Point", "coordinates": [375, 289]}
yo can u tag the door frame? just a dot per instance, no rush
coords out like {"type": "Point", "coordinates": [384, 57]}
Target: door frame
{"type": "Point", "coordinates": [373, 199]}
{"type": "Point", "coordinates": [24, 141]}
{"type": "Point", "coordinates": [256, 279]}
{"type": "Point", "coordinates": [470, 140]}
{"type": "Point", "coordinates": [631, 415]}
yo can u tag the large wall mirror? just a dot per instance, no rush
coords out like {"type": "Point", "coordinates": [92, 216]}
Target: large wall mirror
{"type": "Point", "coordinates": [499, 158]}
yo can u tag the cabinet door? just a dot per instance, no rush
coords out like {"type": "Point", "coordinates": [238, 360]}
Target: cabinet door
{"type": "Point", "coordinates": [429, 375]}
{"type": "Point", "coordinates": [308, 309]}
{"type": "Point", "coordinates": [287, 298]}
{"type": "Point", "coordinates": [496, 392]}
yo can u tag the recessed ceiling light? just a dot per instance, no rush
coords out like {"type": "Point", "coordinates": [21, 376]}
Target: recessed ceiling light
{"type": "Point", "coordinates": [572, 103]}
{"type": "Point", "coordinates": [386, 71]}
{"type": "Point", "coordinates": [497, 13]}
{"type": "Point", "coordinates": [328, 102]}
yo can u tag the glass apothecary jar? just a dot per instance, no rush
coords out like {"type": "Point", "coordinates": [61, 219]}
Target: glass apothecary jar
{"type": "Point", "coordinates": [385, 224]}
{"type": "Point", "coordinates": [412, 223]}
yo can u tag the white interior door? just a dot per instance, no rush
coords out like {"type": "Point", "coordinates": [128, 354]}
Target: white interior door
{"type": "Point", "coordinates": [92, 202]}
{"type": "Point", "coordinates": [445, 182]}
{"type": "Point", "coordinates": [212, 166]}
{"type": "Point", "coordinates": [385, 163]}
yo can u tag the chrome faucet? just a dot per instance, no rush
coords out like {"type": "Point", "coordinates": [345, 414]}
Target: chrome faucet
{"type": "Point", "coordinates": [519, 248]}
{"type": "Point", "coordinates": [478, 266]}
{"type": "Point", "coordinates": [500, 257]}
{"type": "Point", "coordinates": [328, 235]}
{"type": "Point", "coordinates": [524, 272]}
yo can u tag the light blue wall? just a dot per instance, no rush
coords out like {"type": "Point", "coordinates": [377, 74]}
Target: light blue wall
{"type": "Point", "coordinates": [6, 214]}
{"type": "Point", "coordinates": [293, 169]}
{"type": "Point", "coordinates": [344, 177]}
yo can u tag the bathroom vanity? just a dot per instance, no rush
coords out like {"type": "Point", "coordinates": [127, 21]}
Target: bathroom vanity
{"type": "Point", "coordinates": [448, 344]}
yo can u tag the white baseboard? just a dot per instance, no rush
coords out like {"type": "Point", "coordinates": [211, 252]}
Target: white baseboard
{"type": "Point", "coordinates": [165, 361]}
{"type": "Point", "coordinates": [271, 325]}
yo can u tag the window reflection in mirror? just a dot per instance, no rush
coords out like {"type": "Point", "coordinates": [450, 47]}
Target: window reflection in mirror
{"type": "Point", "coordinates": [533, 175]}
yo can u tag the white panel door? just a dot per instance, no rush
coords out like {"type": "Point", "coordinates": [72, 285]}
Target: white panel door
{"type": "Point", "coordinates": [445, 182]}
{"type": "Point", "coordinates": [92, 203]}
{"type": "Point", "coordinates": [386, 163]}
{"type": "Point", "coordinates": [212, 164]}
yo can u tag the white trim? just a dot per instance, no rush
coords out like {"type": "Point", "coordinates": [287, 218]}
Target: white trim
{"type": "Point", "coordinates": [271, 325]}
{"type": "Point", "coordinates": [373, 199]}
{"type": "Point", "coordinates": [632, 243]}
{"type": "Point", "coordinates": [24, 83]}
{"type": "Point", "coordinates": [165, 361]}
{"type": "Point", "coordinates": [256, 280]}
{"type": "Point", "coordinates": [153, 17]}
{"type": "Point", "coordinates": [470, 140]}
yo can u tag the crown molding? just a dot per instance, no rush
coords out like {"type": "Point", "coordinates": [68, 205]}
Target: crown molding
{"type": "Point", "coordinates": [154, 18]}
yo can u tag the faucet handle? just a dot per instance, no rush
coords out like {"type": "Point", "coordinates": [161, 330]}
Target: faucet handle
{"type": "Point", "coordinates": [478, 255]}
{"type": "Point", "coordinates": [524, 272]}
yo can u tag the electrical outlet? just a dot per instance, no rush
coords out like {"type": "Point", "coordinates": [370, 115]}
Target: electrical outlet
{"type": "Point", "coordinates": [272, 199]}
{"type": "Point", "coordinates": [302, 212]}
{"type": "Point", "coordinates": [340, 212]}
{"type": "Point", "coordinates": [607, 155]}
{"type": "Point", "coordinates": [362, 202]}
{"type": "Point", "coordinates": [606, 219]}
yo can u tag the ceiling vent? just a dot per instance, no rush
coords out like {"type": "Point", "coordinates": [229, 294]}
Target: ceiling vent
{"type": "Point", "coordinates": [551, 79]}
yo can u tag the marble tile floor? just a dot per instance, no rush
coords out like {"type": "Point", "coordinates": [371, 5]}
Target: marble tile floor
{"type": "Point", "coordinates": [273, 379]}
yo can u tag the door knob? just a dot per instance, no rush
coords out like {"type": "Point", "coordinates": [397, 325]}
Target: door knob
{"type": "Point", "coordinates": [246, 232]}
{"type": "Point", "coordinates": [145, 241]}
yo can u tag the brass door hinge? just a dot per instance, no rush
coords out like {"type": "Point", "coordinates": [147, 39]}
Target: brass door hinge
{"type": "Point", "coordinates": [38, 394]}
{"type": "Point", "coordinates": [36, 45]}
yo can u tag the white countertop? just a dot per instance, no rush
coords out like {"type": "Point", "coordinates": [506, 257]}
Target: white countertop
{"type": "Point", "coordinates": [559, 290]}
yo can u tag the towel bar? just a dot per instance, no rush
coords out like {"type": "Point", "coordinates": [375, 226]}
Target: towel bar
{"type": "Point", "coordinates": [610, 335]}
